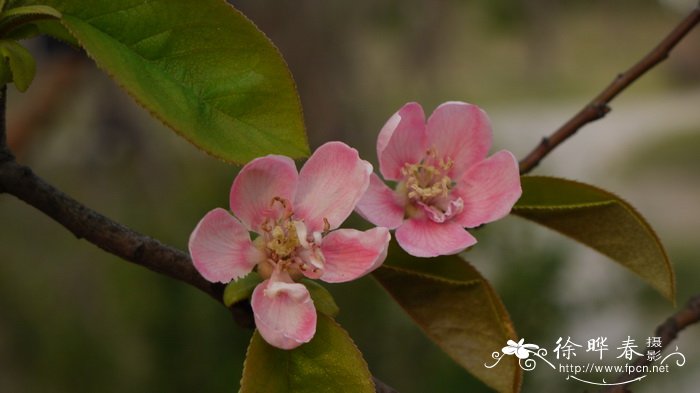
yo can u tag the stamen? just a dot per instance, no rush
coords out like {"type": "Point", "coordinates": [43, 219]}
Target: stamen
{"type": "Point", "coordinates": [425, 181]}
{"type": "Point", "coordinates": [447, 163]}
{"type": "Point", "coordinates": [279, 200]}
{"type": "Point", "coordinates": [289, 246]}
{"type": "Point", "coordinates": [266, 225]}
{"type": "Point", "coordinates": [283, 239]}
{"type": "Point", "coordinates": [427, 185]}
{"type": "Point", "coordinates": [317, 238]}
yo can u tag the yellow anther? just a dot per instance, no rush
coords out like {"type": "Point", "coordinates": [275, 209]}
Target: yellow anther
{"type": "Point", "coordinates": [425, 181]}
{"type": "Point", "coordinates": [283, 240]}
{"type": "Point", "coordinates": [266, 225]}
{"type": "Point", "coordinates": [446, 164]}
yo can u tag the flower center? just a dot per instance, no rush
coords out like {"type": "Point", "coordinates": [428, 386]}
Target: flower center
{"type": "Point", "coordinates": [428, 187]}
{"type": "Point", "coordinates": [288, 246]}
{"type": "Point", "coordinates": [283, 239]}
{"type": "Point", "coordinates": [428, 179]}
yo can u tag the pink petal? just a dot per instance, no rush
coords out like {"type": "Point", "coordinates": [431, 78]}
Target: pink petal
{"type": "Point", "coordinates": [221, 249]}
{"type": "Point", "coordinates": [489, 189]}
{"type": "Point", "coordinates": [257, 184]}
{"type": "Point", "coordinates": [380, 205]}
{"type": "Point", "coordinates": [402, 140]}
{"type": "Point", "coordinates": [330, 184]}
{"type": "Point", "coordinates": [350, 254]}
{"type": "Point", "coordinates": [284, 313]}
{"type": "Point", "coordinates": [461, 132]}
{"type": "Point", "coordinates": [425, 238]}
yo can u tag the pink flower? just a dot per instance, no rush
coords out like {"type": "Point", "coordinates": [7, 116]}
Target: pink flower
{"type": "Point", "coordinates": [445, 182]}
{"type": "Point", "coordinates": [295, 216]}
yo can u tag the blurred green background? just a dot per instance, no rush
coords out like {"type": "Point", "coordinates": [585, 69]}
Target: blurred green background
{"type": "Point", "coordinates": [75, 319]}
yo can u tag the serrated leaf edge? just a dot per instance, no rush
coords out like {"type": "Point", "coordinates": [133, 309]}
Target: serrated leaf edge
{"type": "Point", "coordinates": [301, 154]}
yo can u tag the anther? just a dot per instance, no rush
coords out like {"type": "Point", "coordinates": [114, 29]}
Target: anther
{"type": "Point", "coordinates": [281, 201]}
{"type": "Point", "coordinates": [266, 225]}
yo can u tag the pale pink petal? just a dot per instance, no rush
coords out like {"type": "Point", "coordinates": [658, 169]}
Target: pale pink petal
{"type": "Point", "coordinates": [330, 184]}
{"type": "Point", "coordinates": [284, 313]}
{"type": "Point", "coordinates": [380, 205]}
{"type": "Point", "coordinates": [350, 254]}
{"type": "Point", "coordinates": [451, 209]}
{"type": "Point", "coordinates": [221, 249]}
{"type": "Point", "coordinates": [425, 238]}
{"type": "Point", "coordinates": [257, 184]}
{"type": "Point", "coordinates": [389, 127]}
{"type": "Point", "coordinates": [489, 189]}
{"type": "Point", "coordinates": [460, 132]}
{"type": "Point", "coordinates": [402, 140]}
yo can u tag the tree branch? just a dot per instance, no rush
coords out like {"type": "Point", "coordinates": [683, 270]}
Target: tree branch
{"type": "Point", "coordinates": [668, 331]}
{"type": "Point", "coordinates": [84, 223]}
{"type": "Point", "coordinates": [598, 107]}
{"type": "Point", "coordinates": [115, 238]}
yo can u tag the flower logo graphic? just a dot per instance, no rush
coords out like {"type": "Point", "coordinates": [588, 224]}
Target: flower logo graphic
{"type": "Point", "coordinates": [522, 351]}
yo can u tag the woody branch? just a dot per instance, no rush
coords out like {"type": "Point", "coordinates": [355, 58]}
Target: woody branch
{"type": "Point", "coordinates": [667, 331]}
{"type": "Point", "coordinates": [598, 107]}
{"type": "Point", "coordinates": [85, 223]}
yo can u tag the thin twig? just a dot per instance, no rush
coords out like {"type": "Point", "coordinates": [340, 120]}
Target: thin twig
{"type": "Point", "coordinates": [668, 331]}
{"type": "Point", "coordinates": [598, 107]}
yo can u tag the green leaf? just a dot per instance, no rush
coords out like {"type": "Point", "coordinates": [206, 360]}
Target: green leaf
{"type": "Point", "coordinates": [602, 221]}
{"type": "Point", "coordinates": [200, 66]}
{"type": "Point", "coordinates": [50, 27]}
{"type": "Point", "coordinates": [39, 10]}
{"type": "Point", "coordinates": [456, 308]}
{"type": "Point", "coordinates": [241, 289]}
{"type": "Point", "coordinates": [20, 62]}
{"type": "Point", "coordinates": [323, 300]}
{"type": "Point", "coordinates": [19, 17]}
{"type": "Point", "coordinates": [329, 363]}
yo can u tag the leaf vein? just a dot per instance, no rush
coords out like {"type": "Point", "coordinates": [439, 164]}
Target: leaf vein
{"type": "Point", "coordinates": [188, 88]}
